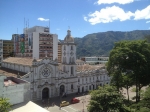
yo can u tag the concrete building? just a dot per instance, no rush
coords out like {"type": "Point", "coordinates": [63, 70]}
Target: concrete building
{"type": "Point", "coordinates": [16, 90]}
{"type": "Point", "coordinates": [49, 78]}
{"type": "Point", "coordinates": [1, 51]}
{"type": "Point", "coordinates": [8, 48]}
{"type": "Point", "coordinates": [36, 42]}
{"type": "Point", "coordinates": [95, 60]}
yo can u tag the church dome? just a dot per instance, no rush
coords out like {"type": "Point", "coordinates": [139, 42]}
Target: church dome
{"type": "Point", "coordinates": [69, 38]}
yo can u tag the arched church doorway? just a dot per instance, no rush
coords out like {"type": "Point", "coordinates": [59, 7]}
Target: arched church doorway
{"type": "Point", "coordinates": [62, 89]}
{"type": "Point", "coordinates": [45, 93]}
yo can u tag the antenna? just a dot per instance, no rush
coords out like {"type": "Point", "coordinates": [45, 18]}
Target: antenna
{"type": "Point", "coordinates": [28, 23]}
{"type": "Point", "coordinates": [49, 25]}
{"type": "Point", "coordinates": [26, 27]}
{"type": "Point", "coordinates": [24, 23]}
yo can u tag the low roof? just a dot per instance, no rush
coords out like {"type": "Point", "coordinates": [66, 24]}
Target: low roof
{"type": "Point", "coordinates": [79, 61]}
{"type": "Point", "coordinates": [30, 107]}
{"type": "Point", "coordinates": [10, 73]}
{"type": "Point", "coordinates": [17, 60]}
{"type": "Point", "coordinates": [87, 67]}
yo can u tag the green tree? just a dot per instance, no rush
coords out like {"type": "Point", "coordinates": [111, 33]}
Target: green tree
{"type": "Point", "coordinates": [131, 58]}
{"type": "Point", "coordinates": [146, 99]}
{"type": "Point", "coordinates": [4, 105]}
{"type": "Point", "coordinates": [106, 99]}
{"type": "Point", "coordinates": [147, 37]}
{"type": "Point", "coordinates": [127, 82]}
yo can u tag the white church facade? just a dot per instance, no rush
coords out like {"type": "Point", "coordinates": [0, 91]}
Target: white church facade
{"type": "Point", "coordinates": [48, 78]}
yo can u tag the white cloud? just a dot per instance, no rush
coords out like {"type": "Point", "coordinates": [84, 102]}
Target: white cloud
{"type": "Point", "coordinates": [142, 14]}
{"type": "Point", "coordinates": [147, 21]}
{"type": "Point", "coordinates": [42, 19]}
{"type": "Point", "coordinates": [110, 14]}
{"type": "Point", "coordinates": [85, 18]}
{"type": "Point", "coordinates": [114, 1]}
{"type": "Point", "coordinates": [57, 29]}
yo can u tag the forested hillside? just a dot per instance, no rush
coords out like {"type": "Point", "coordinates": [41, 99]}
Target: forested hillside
{"type": "Point", "coordinates": [101, 43]}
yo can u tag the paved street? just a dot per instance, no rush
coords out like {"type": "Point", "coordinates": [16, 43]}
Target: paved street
{"type": "Point", "coordinates": [78, 107]}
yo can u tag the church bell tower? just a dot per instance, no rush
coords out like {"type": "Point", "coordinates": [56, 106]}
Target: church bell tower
{"type": "Point", "coordinates": [69, 55]}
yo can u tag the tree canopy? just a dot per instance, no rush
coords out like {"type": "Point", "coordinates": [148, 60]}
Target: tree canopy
{"type": "Point", "coordinates": [130, 60]}
{"type": "Point", "coordinates": [106, 99]}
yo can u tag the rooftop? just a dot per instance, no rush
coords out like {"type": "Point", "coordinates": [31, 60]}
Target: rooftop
{"type": "Point", "coordinates": [9, 72]}
{"type": "Point", "coordinates": [17, 60]}
{"type": "Point", "coordinates": [9, 82]}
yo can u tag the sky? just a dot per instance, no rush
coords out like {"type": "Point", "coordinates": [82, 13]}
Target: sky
{"type": "Point", "coordinates": [82, 17]}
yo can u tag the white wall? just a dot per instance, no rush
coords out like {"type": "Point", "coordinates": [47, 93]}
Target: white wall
{"type": "Point", "coordinates": [15, 93]}
{"type": "Point", "coordinates": [35, 45]}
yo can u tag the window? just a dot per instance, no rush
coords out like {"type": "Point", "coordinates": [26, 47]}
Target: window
{"type": "Point", "coordinates": [71, 86]}
{"type": "Point", "coordinates": [71, 47]}
{"type": "Point", "coordinates": [64, 68]}
{"type": "Point", "coordinates": [71, 70]}
{"type": "Point", "coordinates": [64, 47]}
{"type": "Point", "coordinates": [78, 80]}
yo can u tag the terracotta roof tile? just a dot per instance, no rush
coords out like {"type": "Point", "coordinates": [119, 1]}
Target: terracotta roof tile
{"type": "Point", "coordinates": [16, 60]}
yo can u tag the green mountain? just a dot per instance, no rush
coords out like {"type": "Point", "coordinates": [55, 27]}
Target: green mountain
{"type": "Point", "coordinates": [98, 44]}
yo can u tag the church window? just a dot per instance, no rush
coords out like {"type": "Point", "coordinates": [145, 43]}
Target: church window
{"type": "Point", "coordinates": [71, 47]}
{"type": "Point", "coordinates": [71, 86]}
{"type": "Point", "coordinates": [73, 59]}
{"type": "Point", "coordinates": [71, 70]}
{"type": "Point", "coordinates": [64, 47]}
{"type": "Point", "coordinates": [70, 60]}
{"type": "Point", "coordinates": [64, 69]}
{"type": "Point", "coordinates": [65, 59]}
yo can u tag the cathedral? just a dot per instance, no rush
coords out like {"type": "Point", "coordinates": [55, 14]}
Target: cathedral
{"type": "Point", "coordinates": [48, 78]}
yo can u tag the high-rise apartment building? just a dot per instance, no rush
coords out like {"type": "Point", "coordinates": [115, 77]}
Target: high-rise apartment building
{"type": "Point", "coordinates": [59, 51]}
{"type": "Point", "coordinates": [1, 51]}
{"type": "Point", "coordinates": [36, 42]}
{"type": "Point", "coordinates": [8, 48]}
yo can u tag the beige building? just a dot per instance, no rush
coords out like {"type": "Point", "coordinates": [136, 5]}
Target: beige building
{"type": "Point", "coordinates": [59, 52]}
{"type": "Point", "coordinates": [1, 51]}
{"type": "Point", "coordinates": [8, 48]}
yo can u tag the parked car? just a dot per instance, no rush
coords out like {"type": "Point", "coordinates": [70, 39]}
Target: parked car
{"type": "Point", "coordinates": [64, 103]}
{"type": "Point", "coordinates": [75, 100]}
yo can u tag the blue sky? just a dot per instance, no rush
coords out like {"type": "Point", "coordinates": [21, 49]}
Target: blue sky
{"type": "Point", "coordinates": [83, 16]}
